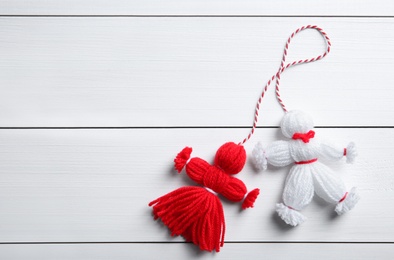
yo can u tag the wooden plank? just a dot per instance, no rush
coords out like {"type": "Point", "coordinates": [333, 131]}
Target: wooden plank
{"type": "Point", "coordinates": [176, 71]}
{"type": "Point", "coordinates": [187, 251]}
{"type": "Point", "coordinates": [201, 7]}
{"type": "Point", "coordinates": [94, 185]}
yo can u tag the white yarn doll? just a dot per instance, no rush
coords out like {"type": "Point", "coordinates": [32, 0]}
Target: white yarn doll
{"type": "Point", "coordinates": [308, 175]}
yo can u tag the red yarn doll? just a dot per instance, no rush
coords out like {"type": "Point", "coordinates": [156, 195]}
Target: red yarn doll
{"type": "Point", "coordinates": [195, 212]}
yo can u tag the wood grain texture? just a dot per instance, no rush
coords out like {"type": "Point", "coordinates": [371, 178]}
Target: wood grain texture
{"type": "Point", "coordinates": [190, 71]}
{"type": "Point", "coordinates": [143, 64]}
{"type": "Point", "coordinates": [201, 7]}
{"type": "Point", "coordinates": [94, 186]}
{"type": "Point", "coordinates": [182, 251]}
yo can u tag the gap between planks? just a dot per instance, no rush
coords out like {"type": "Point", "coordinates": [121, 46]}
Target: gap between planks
{"type": "Point", "coordinates": [173, 127]}
{"type": "Point", "coordinates": [194, 16]}
{"type": "Point", "coordinates": [181, 242]}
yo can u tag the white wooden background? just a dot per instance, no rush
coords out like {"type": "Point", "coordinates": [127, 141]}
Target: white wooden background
{"type": "Point", "coordinates": [97, 97]}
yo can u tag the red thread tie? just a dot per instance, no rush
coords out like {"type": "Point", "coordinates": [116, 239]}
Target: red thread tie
{"type": "Point", "coordinates": [304, 137]}
{"type": "Point", "coordinates": [343, 198]}
{"type": "Point", "coordinates": [307, 162]}
{"type": "Point", "coordinates": [283, 66]}
{"type": "Point", "coordinates": [344, 151]}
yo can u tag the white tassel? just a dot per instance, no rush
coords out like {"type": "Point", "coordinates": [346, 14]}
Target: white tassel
{"type": "Point", "coordinates": [351, 152]}
{"type": "Point", "coordinates": [348, 203]}
{"type": "Point", "coordinates": [290, 216]}
{"type": "Point", "coordinates": [259, 158]}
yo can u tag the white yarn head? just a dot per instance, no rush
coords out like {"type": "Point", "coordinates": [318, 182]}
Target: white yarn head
{"type": "Point", "coordinates": [296, 121]}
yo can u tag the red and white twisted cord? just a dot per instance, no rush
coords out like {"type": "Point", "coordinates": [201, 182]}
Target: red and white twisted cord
{"type": "Point", "coordinates": [282, 68]}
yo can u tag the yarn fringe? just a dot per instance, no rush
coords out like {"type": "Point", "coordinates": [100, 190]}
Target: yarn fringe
{"type": "Point", "coordinates": [182, 158]}
{"type": "Point", "coordinates": [290, 216]}
{"type": "Point", "coordinates": [348, 203]}
{"type": "Point", "coordinates": [351, 153]}
{"type": "Point", "coordinates": [250, 199]}
{"type": "Point", "coordinates": [259, 158]}
{"type": "Point", "coordinates": [194, 213]}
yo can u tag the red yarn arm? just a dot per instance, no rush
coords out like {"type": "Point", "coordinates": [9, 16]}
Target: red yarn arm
{"type": "Point", "coordinates": [235, 190]}
{"type": "Point", "coordinates": [196, 169]}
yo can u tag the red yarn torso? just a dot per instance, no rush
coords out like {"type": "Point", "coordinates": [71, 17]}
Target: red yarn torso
{"type": "Point", "coordinates": [216, 179]}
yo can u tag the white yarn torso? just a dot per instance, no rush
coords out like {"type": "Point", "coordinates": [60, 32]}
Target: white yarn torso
{"type": "Point", "coordinates": [301, 151]}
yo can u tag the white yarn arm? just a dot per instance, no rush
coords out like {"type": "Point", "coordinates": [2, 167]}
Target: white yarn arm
{"type": "Point", "coordinates": [334, 152]}
{"type": "Point", "coordinates": [278, 154]}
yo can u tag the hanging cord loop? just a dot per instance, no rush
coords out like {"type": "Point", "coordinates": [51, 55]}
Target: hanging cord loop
{"type": "Point", "coordinates": [284, 66]}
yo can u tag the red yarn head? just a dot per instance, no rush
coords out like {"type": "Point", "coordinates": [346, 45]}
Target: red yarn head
{"type": "Point", "coordinates": [231, 158]}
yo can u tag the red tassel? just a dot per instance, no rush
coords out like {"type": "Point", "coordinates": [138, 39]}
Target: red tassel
{"type": "Point", "coordinates": [250, 199]}
{"type": "Point", "coordinates": [194, 213]}
{"type": "Point", "coordinates": [182, 157]}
